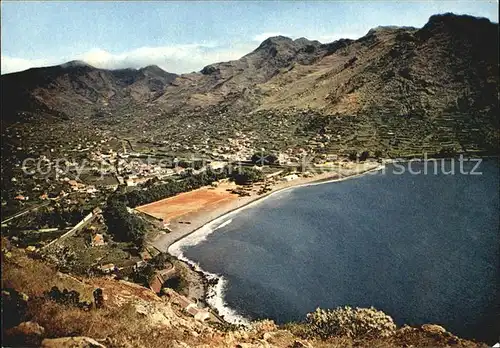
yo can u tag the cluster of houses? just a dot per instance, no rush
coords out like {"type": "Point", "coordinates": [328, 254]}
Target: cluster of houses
{"type": "Point", "coordinates": [156, 285]}
{"type": "Point", "coordinates": [81, 187]}
{"type": "Point", "coordinates": [129, 167]}
{"type": "Point", "coordinates": [189, 307]}
{"type": "Point", "coordinates": [126, 168]}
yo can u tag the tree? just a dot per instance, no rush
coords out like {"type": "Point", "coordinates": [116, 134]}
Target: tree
{"type": "Point", "coordinates": [364, 156]}
{"type": "Point", "coordinates": [144, 274]}
{"type": "Point", "coordinates": [177, 283]}
{"type": "Point", "coordinates": [159, 261]}
{"type": "Point", "coordinates": [262, 158]}
{"type": "Point", "coordinates": [353, 155]}
{"type": "Point", "coordinates": [121, 224]}
{"type": "Point", "coordinates": [448, 152]}
{"type": "Point", "coordinates": [244, 176]}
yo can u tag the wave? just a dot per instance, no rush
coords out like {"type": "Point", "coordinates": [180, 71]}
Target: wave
{"type": "Point", "coordinates": [216, 291]}
{"type": "Point", "coordinates": [225, 223]}
{"type": "Point", "coordinates": [198, 235]}
{"type": "Point", "coordinates": [215, 294]}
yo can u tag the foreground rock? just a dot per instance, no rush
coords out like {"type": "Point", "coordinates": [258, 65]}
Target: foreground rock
{"type": "Point", "coordinates": [26, 333]}
{"type": "Point", "coordinates": [433, 328]}
{"type": "Point", "coordinates": [133, 316]}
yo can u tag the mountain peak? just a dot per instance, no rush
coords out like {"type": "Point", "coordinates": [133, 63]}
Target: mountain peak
{"type": "Point", "coordinates": [306, 42]}
{"type": "Point", "coordinates": [452, 18]}
{"type": "Point", "coordinates": [152, 67]}
{"type": "Point", "coordinates": [156, 71]}
{"type": "Point", "coordinates": [458, 23]}
{"type": "Point", "coordinates": [75, 64]}
{"type": "Point", "coordinates": [477, 29]}
{"type": "Point", "coordinates": [274, 41]}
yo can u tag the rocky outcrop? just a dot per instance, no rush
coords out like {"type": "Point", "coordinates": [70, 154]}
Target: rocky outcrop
{"type": "Point", "coordinates": [135, 317]}
{"type": "Point", "coordinates": [29, 328]}
{"type": "Point", "coordinates": [433, 328]}
{"type": "Point", "coordinates": [71, 342]}
{"type": "Point", "coordinates": [26, 333]}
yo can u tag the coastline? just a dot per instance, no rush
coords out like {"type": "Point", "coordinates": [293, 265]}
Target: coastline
{"type": "Point", "coordinates": [203, 217]}
{"type": "Point", "coordinates": [206, 221]}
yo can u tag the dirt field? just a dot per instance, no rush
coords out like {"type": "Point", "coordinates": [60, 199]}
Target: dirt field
{"type": "Point", "coordinates": [188, 202]}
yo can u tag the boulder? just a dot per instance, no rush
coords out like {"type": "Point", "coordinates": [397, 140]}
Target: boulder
{"type": "Point", "coordinates": [27, 333]}
{"type": "Point", "coordinates": [29, 328]}
{"type": "Point", "coordinates": [268, 335]}
{"type": "Point", "coordinates": [246, 345]}
{"type": "Point", "coordinates": [299, 344]}
{"type": "Point", "coordinates": [178, 344]}
{"type": "Point", "coordinates": [71, 342]}
{"type": "Point", "coordinates": [433, 328]}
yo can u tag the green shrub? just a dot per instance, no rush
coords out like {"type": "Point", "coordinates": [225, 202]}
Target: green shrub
{"type": "Point", "coordinates": [262, 158]}
{"type": "Point", "coordinates": [124, 226]}
{"type": "Point", "coordinates": [177, 283]}
{"type": "Point", "coordinates": [244, 176]}
{"type": "Point", "coordinates": [353, 323]}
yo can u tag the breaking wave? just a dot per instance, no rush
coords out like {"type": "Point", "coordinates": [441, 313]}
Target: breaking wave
{"type": "Point", "coordinates": [215, 291]}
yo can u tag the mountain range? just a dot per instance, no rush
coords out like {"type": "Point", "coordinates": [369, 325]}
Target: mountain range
{"type": "Point", "coordinates": [395, 91]}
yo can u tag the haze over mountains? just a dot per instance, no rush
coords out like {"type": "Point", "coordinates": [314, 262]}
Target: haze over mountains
{"type": "Point", "coordinates": [397, 90]}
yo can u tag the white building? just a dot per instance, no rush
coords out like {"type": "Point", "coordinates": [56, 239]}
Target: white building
{"type": "Point", "coordinates": [290, 177]}
{"type": "Point", "coordinates": [215, 165]}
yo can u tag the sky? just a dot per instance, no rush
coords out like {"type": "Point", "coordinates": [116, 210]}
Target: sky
{"type": "Point", "coordinates": [185, 36]}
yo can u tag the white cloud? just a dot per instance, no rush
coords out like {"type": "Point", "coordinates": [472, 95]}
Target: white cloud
{"type": "Point", "coordinates": [175, 58]}
{"type": "Point", "coordinates": [12, 64]}
{"type": "Point", "coordinates": [178, 58]}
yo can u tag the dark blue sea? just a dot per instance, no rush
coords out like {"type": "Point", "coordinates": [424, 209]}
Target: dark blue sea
{"type": "Point", "coordinates": [421, 248]}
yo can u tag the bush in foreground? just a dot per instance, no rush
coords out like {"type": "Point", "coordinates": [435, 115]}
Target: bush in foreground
{"type": "Point", "coordinates": [349, 322]}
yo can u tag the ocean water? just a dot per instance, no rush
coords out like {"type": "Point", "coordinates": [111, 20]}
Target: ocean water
{"type": "Point", "coordinates": [422, 248]}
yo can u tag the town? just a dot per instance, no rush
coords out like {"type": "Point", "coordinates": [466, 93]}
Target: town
{"type": "Point", "coordinates": [60, 202]}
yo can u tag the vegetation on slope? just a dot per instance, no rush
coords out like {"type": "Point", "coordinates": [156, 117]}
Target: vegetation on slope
{"type": "Point", "coordinates": [133, 316]}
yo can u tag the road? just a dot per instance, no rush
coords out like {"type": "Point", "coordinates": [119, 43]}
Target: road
{"type": "Point", "coordinates": [25, 212]}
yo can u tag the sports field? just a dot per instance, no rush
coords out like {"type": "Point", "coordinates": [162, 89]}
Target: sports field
{"type": "Point", "coordinates": [186, 203]}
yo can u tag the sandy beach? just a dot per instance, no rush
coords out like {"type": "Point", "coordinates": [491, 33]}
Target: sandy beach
{"type": "Point", "coordinates": [194, 216]}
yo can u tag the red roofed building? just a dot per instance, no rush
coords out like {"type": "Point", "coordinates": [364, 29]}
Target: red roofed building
{"type": "Point", "coordinates": [98, 240]}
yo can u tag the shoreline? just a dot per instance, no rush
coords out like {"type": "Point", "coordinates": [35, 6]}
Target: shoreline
{"type": "Point", "coordinates": [204, 217]}
{"type": "Point", "coordinates": [208, 222]}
